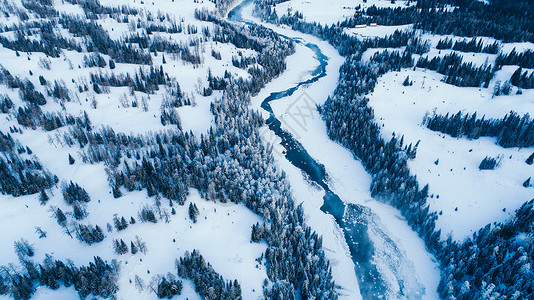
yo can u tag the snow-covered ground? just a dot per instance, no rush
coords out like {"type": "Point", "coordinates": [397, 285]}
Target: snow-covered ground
{"type": "Point", "coordinates": [481, 197]}
{"type": "Point", "coordinates": [222, 233]}
{"type": "Point", "coordinates": [348, 179]}
{"type": "Point", "coordinates": [468, 198]}
{"type": "Point", "coordinates": [377, 31]}
{"type": "Point", "coordinates": [327, 12]}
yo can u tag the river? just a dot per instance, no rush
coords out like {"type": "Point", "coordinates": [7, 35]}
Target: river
{"type": "Point", "coordinates": [362, 230]}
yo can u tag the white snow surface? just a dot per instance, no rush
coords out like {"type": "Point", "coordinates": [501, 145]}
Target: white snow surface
{"type": "Point", "coordinates": [377, 31]}
{"type": "Point", "coordinates": [349, 180]}
{"type": "Point", "coordinates": [327, 12]}
{"type": "Point", "coordinates": [222, 233]}
{"type": "Point", "coordinates": [469, 199]}
{"type": "Point", "coordinates": [480, 196]}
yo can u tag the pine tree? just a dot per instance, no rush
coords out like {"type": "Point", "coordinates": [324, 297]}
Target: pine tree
{"type": "Point", "coordinates": [407, 81]}
{"type": "Point", "coordinates": [133, 248]}
{"type": "Point", "coordinates": [43, 197]}
{"type": "Point", "coordinates": [120, 247]}
{"type": "Point", "coordinates": [193, 212]}
{"type": "Point", "coordinates": [71, 160]}
{"type": "Point", "coordinates": [257, 233]}
{"type": "Point", "coordinates": [530, 159]}
{"type": "Point", "coordinates": [60, 217]}
{"type": "Point", "coordinates": [116, 191]}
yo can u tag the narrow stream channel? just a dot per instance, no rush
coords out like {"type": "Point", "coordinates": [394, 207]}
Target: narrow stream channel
{"type": "Point", "coordinates": [351, 218]}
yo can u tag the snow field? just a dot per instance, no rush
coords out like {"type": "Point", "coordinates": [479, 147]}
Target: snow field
{"type": "Point", "coordinates": [481, 197]}
{"type": "Point", "coordinates": [327, 12]}
{"type": "Point", "coordinates": [348, 177]}
{"type": "Point", "coordinates": [222, 233]}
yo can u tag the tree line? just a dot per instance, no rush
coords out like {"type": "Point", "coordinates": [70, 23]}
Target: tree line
{"type": "Point", "coordinates": [511, 131]}
{"type": "Point", "coordinates": [350, 121]}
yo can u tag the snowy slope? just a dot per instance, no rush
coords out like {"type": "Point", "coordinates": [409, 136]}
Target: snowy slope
{"type": "Point", "coordinates": [330, 11]}
{"type": "Point", "coordinates": [350, 181]}
{"type": "Point", "coordinates": [468, 198]}
{"type": "Point", "coordinates": [222, 233]}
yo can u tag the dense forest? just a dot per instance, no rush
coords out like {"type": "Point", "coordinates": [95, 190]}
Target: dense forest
{"type": "Point", "coordinates": [508, 21]}
{"type": "Point", "coordinates": [228, 163]}
{"type": "Point", "coordinates": [511, 131]}
{"type": "Point", "coordinates": [350, 121]}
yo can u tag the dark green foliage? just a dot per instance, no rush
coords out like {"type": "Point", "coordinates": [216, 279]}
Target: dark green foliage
{"type": "Point", "coordinates": [510, 131]}
{"type": "Point", "coordinates": [98, 278]}
{"type": "Point", "coordinates": [523, 60]}
{"type": "Point", "coordinates": [48, 41]}
{"type": "Point", "coordinates": [4, 288]}
{"type": "Point", "coordinates": [5, 104]}
{"type": "Point", "coordinates": [30, 95]}
{"type": "Point", "coordinates": [169, 288]}
{"type": "Point", "coordinates": [193, 212]}
{"type": "Point", "coordinates": [457, 72]}
{"type": "Point", "coordinates": [60, 217]}
{"type": "Point", "coordinates": [444, 44]}
{"type": "Point", "coordinates": [73, 192]}
{"type": "Point", "coordinates": [133, 248]}
{"type": "Point", "coordinates": [71, 160]}
{"type": "Point", "coordinates": [208, 283]}
{"type": "Point", "coordinates": [96, 88]}
{"type": "Point", "coordinates": [43, 197]}
{"type": "Point", "coordinates": [216, 54]}
{"type": "Point", "coordinates": [20, 176]}
{"type": "Point", "coordinates": [530, 159]}
{"type": "Point", "coordinates": [495, 262]}
{"type": "Point", "coordinates": [407, 81]}
{"type": "Point", "coordinates": [417, 45]}
{"type": "Point", "coordinates": [116, 191]}
{"type": "Point", "coordinates": [94, 60]}
{"type": "Point", "coordinates": [42, 80]}
{"type": "Point", "coordinates": [120, 224]}
{"type": "Point", "coordinates": [88, 234]}
{"type": "Point", "coordinates": [283, 291]}
{"type": "Point", "coordinates": [522, 79]}
{"type": "Point", "coordinates": [226, 164]}
{"type": "Point", "coordinates": [527, 182]}
{"type": "Point", "coordinates": [475, 45]}
{"type": "Point", "coordinates": [21, 287]}
{"type": "Point", "coordinates": [488, 163]}
{"type": "Point", "coordinates": [59, 91]}
{"type": "Point", "coordinates": [23, 248]}
{"type": "Point", "coordinates": [143, 81]}
{"type": "Point", "coordinates": [146, 214]}
{"type": "Point", "coordinates": [43, 8]}
{"type": "Point", "coordinates": [504, 20]}
{"type": "Point", "coordinates": [99, 41]}
{"type": "Point", "coordinates": [79, 211]}
{"type": "Point", "coordinates": [32, 117]}
{"type": "Point", "coordinates": [120, 247]}
{"type": "Point", "coordinates": [257, 233]}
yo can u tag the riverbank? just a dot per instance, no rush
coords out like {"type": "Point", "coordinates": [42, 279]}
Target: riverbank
{"type": "Point", "coordinates": [411, 271]}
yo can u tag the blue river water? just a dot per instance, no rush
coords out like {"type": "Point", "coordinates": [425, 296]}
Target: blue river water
{"type": "Point", "coordinates": [351, 218]}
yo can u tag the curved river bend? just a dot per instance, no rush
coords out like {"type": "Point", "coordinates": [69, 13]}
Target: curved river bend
{"type": "Point", "coordinates": [356, 221]}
